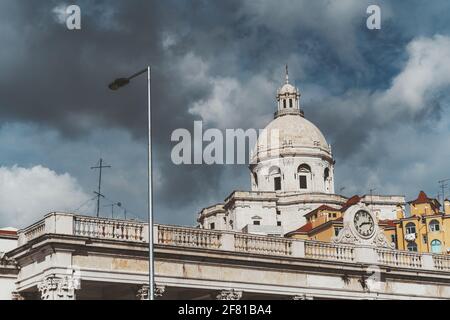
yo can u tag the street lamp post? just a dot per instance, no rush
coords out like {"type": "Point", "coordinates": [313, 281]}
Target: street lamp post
{"type": "Point", "coordinates": [115, 85]}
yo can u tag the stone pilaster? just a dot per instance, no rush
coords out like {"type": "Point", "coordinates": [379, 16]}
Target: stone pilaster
{"type": "Point", "coordinates": [229, 295]}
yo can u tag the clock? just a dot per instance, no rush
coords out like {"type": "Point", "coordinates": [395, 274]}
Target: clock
{"type": "Point", "coordinates": [364, 223]}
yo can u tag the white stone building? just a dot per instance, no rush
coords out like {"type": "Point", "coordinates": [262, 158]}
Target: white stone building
{"type": "Point", "coordinates": [292, 173]}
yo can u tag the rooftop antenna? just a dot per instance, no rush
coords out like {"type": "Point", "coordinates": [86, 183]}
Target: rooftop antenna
{"type": "Point", "coordinates": [112, 205]}
{"type": "Point", "coordinates": [98, 193]}
{"type": "Point", "coordinates": [443, 185]}
{"type": "Point", "coordinates": [287, 74]}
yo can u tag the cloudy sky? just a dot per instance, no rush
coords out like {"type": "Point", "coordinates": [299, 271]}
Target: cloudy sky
{"type": "Point", "coordinates": [380, 96]}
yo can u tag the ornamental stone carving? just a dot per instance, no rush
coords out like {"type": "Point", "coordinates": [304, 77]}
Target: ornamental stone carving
{"type": "Point", "coordinates": [302, 297]}
{"type": "Point", "coordinates": [143, 292]}
{"type": "Point", "coordinates": [54, 288]}
{"type": "Point", "coordinates": [350, 235]}
{"type": "Point", "coordinates": [229, 295]}
{"type": "Point", "coordinates": [16, 296]}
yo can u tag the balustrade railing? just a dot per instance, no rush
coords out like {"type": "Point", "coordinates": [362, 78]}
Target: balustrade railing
{"type": "Point", "coordinates": [92, 227]}
{"type": "Point", "coordinates": [262, 244]}
{"type": "Point", "coordinates": [35, 231]}
{"type": "Point", "coordinates": [187, 237]}
{"type": "Point", "coordinates": [398, 258]}
{"type": "Point", "coordinates": [108, 229]}
{"type": "Point", "coordinates": [328, 251]}
{"type": "Point", "coordinates": [441, 262]}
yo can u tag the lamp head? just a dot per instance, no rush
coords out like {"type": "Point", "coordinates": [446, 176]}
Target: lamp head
{"type": "Point", "coordinates": [118, 83]}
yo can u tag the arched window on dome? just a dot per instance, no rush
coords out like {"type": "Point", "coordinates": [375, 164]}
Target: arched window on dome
{"type": "Point", "coordinates": [255, 179]}
{"type": "Point", "coordinates": [304, 176]}
{"type": "Point", "coordinates": [284, 103]}
{"type": "Point", "coordinates": [290, 103]}
{"type": "Point", "coordinates": [275, 176]}
{"type": "Point", "coordinates": [326, 178]}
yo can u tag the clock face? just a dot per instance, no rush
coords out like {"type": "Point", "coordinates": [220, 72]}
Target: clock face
{"type": "Point", "coordinates": [364, 223]}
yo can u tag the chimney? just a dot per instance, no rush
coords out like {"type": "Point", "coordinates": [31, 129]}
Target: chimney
{"type": "Point", "coordinates": [399, 212]}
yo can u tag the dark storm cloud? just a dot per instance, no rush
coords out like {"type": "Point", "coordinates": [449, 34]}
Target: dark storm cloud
{"type": "Point", "coordinates": [57, 79]}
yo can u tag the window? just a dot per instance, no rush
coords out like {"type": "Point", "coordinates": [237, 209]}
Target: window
{"type": "Point", "coordinates": [326, 174]}
{"type": "Point", "coordinates": [277, 183]}
{"type": "Point", "coordinates": [394, 240]}
{"type": "Point", "coordinates": [212, 226]}
{"type": "Point", "coordinates": [304, 174]}
{"type": "Point", "coordinates": [303, 184]}
{"type": "Point", "coordinates": [434, 226]}
{"type": "Point", "coordinates": [231, 224]}
{"type": "Point", "coordinates": [290, 103]}
{"type": "Point", "coordinates": [275, 173]}
{"type": "Point", "coordinates": [279, 223]}
{"type": "Point", "coordinates": [436, 246]}
{"type": "Point", "coordinates": [410, 228]}
{"type": "Point", "coordinates": [256, 222]}
{"type": "Point", "coordinates": [337, 230]}
{"type": "Point", "coordinates": [284, 103]}
{"type": "Point", "coordinates": [425, 239]}
{"type": "Point", "coordinates": [278, 212]}
{"type": "Point", "coordinates": [412, 246]}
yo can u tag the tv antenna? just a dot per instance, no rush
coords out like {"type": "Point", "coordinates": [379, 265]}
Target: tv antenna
{"type": "Point", "coordinates": [443, 185]}
{"type": "Point", "coordinates": [112, 205]}
{"type": "Point", "coordinates": [99, 193]}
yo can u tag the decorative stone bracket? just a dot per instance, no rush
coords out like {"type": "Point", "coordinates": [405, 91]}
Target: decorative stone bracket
{"type": "Point", "coordinates": [54, 288]}
{"type": "Point", "coordinates": [143, 291]}
{"type": "Point", "coordinates": [229, 295]}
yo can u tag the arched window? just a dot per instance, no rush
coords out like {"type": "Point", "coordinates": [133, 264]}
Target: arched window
{"type": "Point", "coordinates": [304, 175]}
{"type": "Point", "coordinates": [412, 246]}
{"type": "Point", "coordinates": [326, 174]}
{"type": "Point", "coordinates": [275, 175]}
{"type": "Point", "coordinates": [255, 178]}
{"type": "Point", "coordinates": [434, 226]}
{"type": "Point", "coordinates": [284, 103]}
{"type": "Point", "coordinates": [410, 228]}
{"type": "Point", "coordinates": [290, 103]}
{"type": "Point", "coordinates": [436, 246]}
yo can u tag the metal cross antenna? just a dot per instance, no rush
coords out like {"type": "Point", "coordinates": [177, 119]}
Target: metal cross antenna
{"type": "Point", "coordinates": [99, 194]}
{"type": "Point", "coordinates": [443, 186]}
{"type": "Point", "coordinates": [115, 85]}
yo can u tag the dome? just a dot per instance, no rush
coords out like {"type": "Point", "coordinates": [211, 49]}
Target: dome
{"type": "Point", "coordinates": [287, 88]}
{"type": "Point", "coordinates": [295, 135]}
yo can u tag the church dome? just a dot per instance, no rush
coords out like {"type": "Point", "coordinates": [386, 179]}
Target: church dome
{"type": "Point", "coordinates": [290, 134]}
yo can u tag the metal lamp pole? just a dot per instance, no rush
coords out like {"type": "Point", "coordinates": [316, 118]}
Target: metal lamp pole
{"type": "Point", "coordinates": [115, 85]}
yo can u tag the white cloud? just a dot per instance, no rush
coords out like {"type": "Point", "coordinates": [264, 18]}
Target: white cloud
{"type": "Point", "coordinates": [426, 73]}
{"type": "Point", "coordinates": [59, 13]}
{"type": "Point", "coordinates": [27, 194]}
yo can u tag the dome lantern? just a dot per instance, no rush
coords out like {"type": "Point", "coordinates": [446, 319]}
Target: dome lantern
{"type": "Point", "coordinates": [288, 99]}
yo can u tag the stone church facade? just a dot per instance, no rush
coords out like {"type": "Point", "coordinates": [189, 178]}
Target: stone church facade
{"type": "Point", "coordinates": [292, 173]}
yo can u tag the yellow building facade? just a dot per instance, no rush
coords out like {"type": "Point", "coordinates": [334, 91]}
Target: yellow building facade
{"type": "Point", "coordinates": [425, 229]}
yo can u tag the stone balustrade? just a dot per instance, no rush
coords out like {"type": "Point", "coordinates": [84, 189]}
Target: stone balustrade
{"type": "Point", "coordinates": [329, 251]}
{"type": "Point", "coordinates": [108, 229]}
{"type": "Point", "coordinates": [188, 237]}
{"type": "Point", "coordinates": [262, 245]}
{"type": "Point", "coordinates": [396, 258]}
